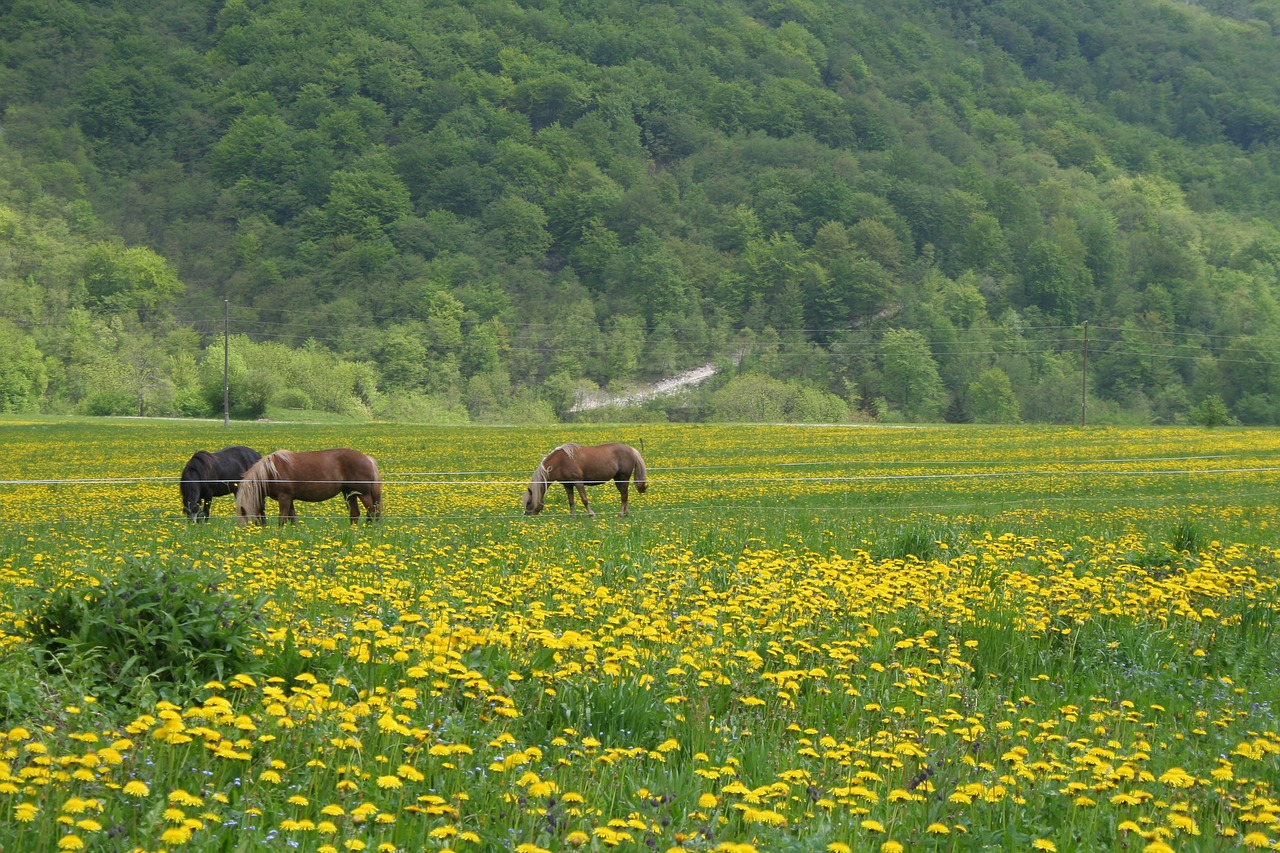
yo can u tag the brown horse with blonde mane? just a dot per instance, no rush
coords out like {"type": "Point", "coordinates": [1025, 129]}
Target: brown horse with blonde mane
{"type": "Point", "coordinates": [314, 475]}
{"type": "Point", "coordinates": [577, 467]}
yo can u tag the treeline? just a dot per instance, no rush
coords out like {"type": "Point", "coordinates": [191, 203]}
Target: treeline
{"type": "Point", "coordinates": [482, 210]}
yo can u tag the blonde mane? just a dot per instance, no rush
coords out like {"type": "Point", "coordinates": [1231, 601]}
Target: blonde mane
{"type": "Point", "coordinates": [251, 497]}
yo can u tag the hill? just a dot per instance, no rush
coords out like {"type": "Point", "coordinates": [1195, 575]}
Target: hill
{"type": "Point", "coordinates": [483, 210]}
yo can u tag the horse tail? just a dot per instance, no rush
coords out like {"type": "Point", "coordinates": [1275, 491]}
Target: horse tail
{"type": "Point", "coordinates": [640, 474]}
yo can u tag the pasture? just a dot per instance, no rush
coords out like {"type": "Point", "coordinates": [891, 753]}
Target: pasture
{"type": "Point", "coordinates": [801, 638]}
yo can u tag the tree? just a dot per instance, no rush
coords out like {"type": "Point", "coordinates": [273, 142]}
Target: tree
{"type": "Point", "coordinates": [117, 277]}
{"type": "Point", "coordinates": [991, 398]}
{"type": "Point", "coordinates": [1211, 412]}
{"type": "Point", "coordinates": [909, 376]}
{"type": "Point", "coordinates": [22, 374]}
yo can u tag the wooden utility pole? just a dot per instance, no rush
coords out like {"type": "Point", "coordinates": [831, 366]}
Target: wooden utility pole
{"type": "Point", "coordinates": [1084, 373]}
{"type": "Point", "coordinates": [226, 362]}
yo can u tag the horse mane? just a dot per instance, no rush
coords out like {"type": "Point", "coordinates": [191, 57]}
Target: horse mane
{"type": "Point", "coordinates": [251, 496]}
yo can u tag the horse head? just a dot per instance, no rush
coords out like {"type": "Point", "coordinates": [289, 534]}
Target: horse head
{"type": "Point", "coordinates": [251, 496]}
{"type": "Point", "coordinates": [193, 478]}
{"type": "Point", "coordinates": [533, 498]}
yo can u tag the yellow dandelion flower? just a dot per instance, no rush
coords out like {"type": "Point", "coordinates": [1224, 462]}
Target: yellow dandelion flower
{"type": "Point", "coordinates": [136, 788]}
{"type": "Point", "coordinates": [70, 842]}
{"type": "Point", "coordinates": [577, 838]}
{"type": "Point", "coordinates": [1157, 847]}
{"type": "Point", "coordinates": [389, 782]}
{"type": "Point", "coordinates": [937, 829]}
{"type": "Point", "coordinates": [891, 847]}
{"type": "Point", "coordinates": [837, 847]}
{"type": "Point", "coordinates": [1256, 839]}
{"type": "Point", "coordinates": [873, 826]}
{"type": "Point", "coordinates": [708, 801]}
{"type": "Point", "coordinates": [1044, 844]}
{"type": "Point", "coordinates": [1177, 777]}
{"type": "Point", "coordinates": [25, 812]}
{"type": "Point", "coordinates": [176, 835]}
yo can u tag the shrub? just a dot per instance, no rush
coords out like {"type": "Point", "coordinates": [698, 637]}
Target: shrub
{"type": "Point", "coordinates": [146, 629]}
{"type": "Point", "coordinates": [1211, 412]}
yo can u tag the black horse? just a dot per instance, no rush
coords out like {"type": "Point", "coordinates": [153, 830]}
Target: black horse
{"type": "Point", "coordinates": [211, 475]}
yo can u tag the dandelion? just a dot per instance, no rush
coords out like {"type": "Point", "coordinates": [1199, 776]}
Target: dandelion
{"type": "Point", "coordinates": [873, 826]}
{"type": "Point", "coordinates": [1044, 844]}
{"type": "Point", "coordinates": [25, 812]}
{"type": "Point", "coordinates": [837, 847]}
{"type": "Point", "coordinates": [1256, 839]}
{"type": "Point", "coordinates": [891, 847]}
{"type": "Point", "coordinates": [176, 835]}
{"type": "Point", "coordinates": [136, 788]}
{"type": "Point", "coordinates": [937, 829]}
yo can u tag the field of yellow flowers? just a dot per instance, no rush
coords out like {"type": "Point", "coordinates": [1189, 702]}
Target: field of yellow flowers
{"type": "Point", "coordinates": [802, 638]}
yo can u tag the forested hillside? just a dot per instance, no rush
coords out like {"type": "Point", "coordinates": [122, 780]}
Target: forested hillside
{"type": "Point", "coordinates": [476, 210]}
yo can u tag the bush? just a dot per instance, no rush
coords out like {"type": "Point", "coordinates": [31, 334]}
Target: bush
{"type": "Point", "coordinates": [294, 398]}
{"type": "Point", "coordinates": [191, 403]}
{"type": "Point", "coordinates": [108, 403]}
{"type": "Point", "coordinates": [147, 630]}
{"type": "Point", "coordinates": [1211, 412]}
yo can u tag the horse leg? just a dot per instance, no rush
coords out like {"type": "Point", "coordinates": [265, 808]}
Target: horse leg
{"type": "Point", "coordinates": [353, 504]}
{"type": "Point", "coordinates": [568, 490]}
{"type": "Point", "coordinates": [286, 511]}
{"type": "Point", "coordinates": [622, 490]}
{"type": "Point", "coordinates": [582, 490]}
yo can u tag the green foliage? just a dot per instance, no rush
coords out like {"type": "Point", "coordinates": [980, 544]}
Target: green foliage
{"type": "Point", "coordinates": [991, 398]}
{"type": "Point", "coordinates": [756, 398]}
{"type": "Point", "coordinates": [910, 379]}
{"type": "Point", "coordinates": [147, 629]}
{"type": "Point", "coordinates": [1211, 412]}
{"type": "Point", "coordinates": [559, 194]}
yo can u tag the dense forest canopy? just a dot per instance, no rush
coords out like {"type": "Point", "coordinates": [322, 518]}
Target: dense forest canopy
{"type": "Point", "coordinates": [479, 211]}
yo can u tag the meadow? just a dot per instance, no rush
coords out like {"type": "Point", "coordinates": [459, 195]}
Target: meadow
{"type": "Point", "coordinates": [802, 638]}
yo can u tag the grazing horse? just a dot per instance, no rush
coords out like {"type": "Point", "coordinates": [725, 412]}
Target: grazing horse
{"type": "Point", "coordinates": [576, 466]}
{"type": "Point", "coordinates": [315, 475]}
{"type": "Point", "coordinates": [212, 475]}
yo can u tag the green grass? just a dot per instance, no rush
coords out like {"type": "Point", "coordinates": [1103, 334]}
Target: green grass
{"type": "Point", "coordinates": [992, 626]}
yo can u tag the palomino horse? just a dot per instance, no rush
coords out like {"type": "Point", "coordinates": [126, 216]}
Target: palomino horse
{"type": "Point", "coordinates": [212, 475]}
{"type": "Point", "coordinates": [577, 467]}
{"type": "Point", "coordinates": [315, 475]}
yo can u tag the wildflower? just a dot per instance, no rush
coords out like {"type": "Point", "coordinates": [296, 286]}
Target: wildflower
{"type": "Point", "coordinates": [176, 835]}
{"type": "Point", "coordinates": [708, 801]}
{"type": "Point", "coordinates": [837, 847]}
{"type": "Point", "coordinates": [873, 826]}
{"type": "Point", "coordinates": [1256, 839]}
{"type": "Point", "coordinates": [891, 847]}
{"type": "Point", "coordinates": [1157, 847]}
{"type": "Point", "coordinates": [1177, 777]}
{"type": "Point", "coordinates": [1044, 844]}
{"type": "Point", "coordinates": [389, 782]}
{"type": "Point", "coordinates": [937, 829]}
{"type": "Point", "coordinates": [136, 788]}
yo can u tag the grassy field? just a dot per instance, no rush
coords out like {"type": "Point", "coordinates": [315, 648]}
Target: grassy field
{"type": "Point", "coordinates": [803, 638]}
